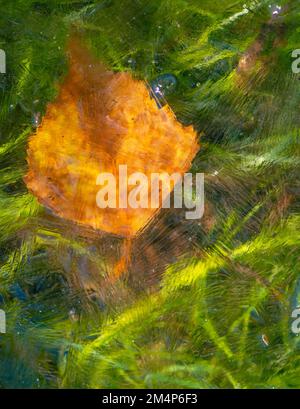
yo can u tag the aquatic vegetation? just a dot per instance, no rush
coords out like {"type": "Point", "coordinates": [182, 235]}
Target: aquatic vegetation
{"type": "Point", "coordinates": [205, 303]}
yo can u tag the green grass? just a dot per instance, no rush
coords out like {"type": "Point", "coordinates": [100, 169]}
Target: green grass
{"type": "Point", "coordinates": [221, 315]}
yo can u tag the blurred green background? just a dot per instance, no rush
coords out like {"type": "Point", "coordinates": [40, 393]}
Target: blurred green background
{"type": "Point", "coordinates": [220, 316]}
